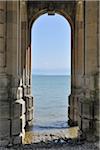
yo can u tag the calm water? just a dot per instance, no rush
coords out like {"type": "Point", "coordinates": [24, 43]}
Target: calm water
{"type": "Point", "coordinates": [50, 101]}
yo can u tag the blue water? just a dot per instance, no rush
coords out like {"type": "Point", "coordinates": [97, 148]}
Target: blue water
{"type": "Point", "coordinates": [50, 101]}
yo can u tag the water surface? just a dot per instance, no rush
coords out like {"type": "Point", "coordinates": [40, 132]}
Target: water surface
{"type": "Point", "coordinates": [50, 102]}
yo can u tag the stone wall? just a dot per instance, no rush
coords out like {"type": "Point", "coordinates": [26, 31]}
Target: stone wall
{"type": "Point", "coordinates": [12, 104]}
{"type": "Point", "coordinates": [16, 102]}
{"type": "Point", "coordinates": [4, 81]}
{"type": "Point", "coordinates": [89, 101]}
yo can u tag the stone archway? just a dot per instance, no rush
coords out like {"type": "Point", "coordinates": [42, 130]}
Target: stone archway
{"type": "Point", "coordinates": [52, 8]}
{"type": "Point", "coordinates": [16, 103]}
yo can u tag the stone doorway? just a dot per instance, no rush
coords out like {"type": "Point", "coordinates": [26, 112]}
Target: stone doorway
{"type": "Point", "coordinates": [67, 51]}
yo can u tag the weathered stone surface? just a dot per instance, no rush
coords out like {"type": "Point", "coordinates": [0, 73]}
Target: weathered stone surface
{"type": "Point", "coordinates": [4, 141]}
{"type": "Point", "coordinates": [19, 106]}
{"type": "Point", "coordinates": [29, 101]}
{"type": "Point", "coordinates": [85, 124]}
{"type": "Point", "coordinates": [30, 114]}
{"type": "Point", "coordinates": [97, 112]}
{"type": "Point", "coordinates": [16, 19]}
{"type": "Point", "coordinates": [3, 81]}
{"type": "Point", "coordinates": [18, 139]}
{"type": "Point", "coordinates": [2, 29]}
{"type": "Point", "coordinates": [4, 128]}
{"type": "Point", "coordinates": [2, 5]}
{"type": "Point", "coordinates": [19, 93]}
{"type": "Point", "coordinates": [2, 59]}
{"type": "Point", "coordinates": [4, 110]}
{"type": "Point", "coordinates": [3, 94]}
{"type": "Point", "coordinates": [97, 127]}
{"type": "Point", "coordinates": [2, 44]}
{"type": "Point", "coordinates": [18, 124]}
{"type": "Point", "coordinates": [2, 16]}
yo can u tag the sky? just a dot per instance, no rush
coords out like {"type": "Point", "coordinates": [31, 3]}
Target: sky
{"type": "Point", "coordinates": [51, 45]}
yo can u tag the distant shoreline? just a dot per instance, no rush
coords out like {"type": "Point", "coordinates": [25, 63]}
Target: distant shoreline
{"type": "Point", "coordinates": [49, 75]}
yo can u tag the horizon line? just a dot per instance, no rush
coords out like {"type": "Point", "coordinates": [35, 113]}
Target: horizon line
{"type": "Point", "coordinates": [52, 74]}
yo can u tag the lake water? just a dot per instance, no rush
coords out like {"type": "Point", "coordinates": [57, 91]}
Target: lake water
{"type": "Point", "coordinates": [50, 101]}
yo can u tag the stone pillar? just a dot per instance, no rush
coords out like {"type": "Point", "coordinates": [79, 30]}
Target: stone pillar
{"type": "Point", "coordinates": [4, 82]}
{"type": "Point", "coordinates": [28, 94]}
{"type": "Point", "coordinates": [77, 66]}
{"type": "Point", "coordinates": [12, 106]}
{"type": "Point", "coordinates": [89, 102]}
{"type": "Point", "coordinates": [26, 65]}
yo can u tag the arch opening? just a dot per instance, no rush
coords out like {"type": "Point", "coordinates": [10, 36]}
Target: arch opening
{"type": "Point", "coordinates": [42, 56]}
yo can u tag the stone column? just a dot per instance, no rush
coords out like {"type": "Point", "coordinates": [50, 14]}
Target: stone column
{"type": "Point", "coordinates": [13, 69]}
{"type": "Point", "coordinates": [89, 103]}
{"type": "Point", "coordinates": [4, 82]}
{"type": "Point", "coordinates": [77, 66]}
{"type": "Point", "coordinates": [28, 95]}
{"type": "Point", "coordinates": [26, 65]}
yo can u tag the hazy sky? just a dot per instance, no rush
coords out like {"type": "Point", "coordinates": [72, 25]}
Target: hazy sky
{"type": "Point", "coordinates": [51, 45]}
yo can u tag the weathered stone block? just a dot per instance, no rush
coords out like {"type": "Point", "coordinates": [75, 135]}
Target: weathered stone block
{"type": "Point", "coordinates": [19, 108]}
{"type": "Point", "coordinates": [2, 70]}
{"type": "Point", "coordinates": [79, 122]}
{"type": "Point", "coordinates": [24, 90]}
{"type": "Point", "coordinates": [19, 93]}
{"type": "Point", "coordinates": [92, 29]}
{"type": "Point", "coordinates": [4, 110]}
{"type": "Point", "coordinates": [4, 128]}
{"type": "Point", "coordinates": [29, 101]}
{"type": "Point", "coordinates": [29, 89]}
{"type": "Point", "coordinates": [18, 124]}
{"type": "Point", "coordinates": [12, 15]}
{"type": "Point", "coordinates": [30, 122]}
{"type": "Point", "coordinates": [71, 113]}
{"type": "Point", "coordinates": [91, 10]}
{"type": "Point", "coordinates": [97, 112]}
{"type": "Point", "coordinates": [14, 92]}
{"type": "Point", "coordinates": [2, 5]}
{"type": "Point", "coordinates": [30, 114]}
{"type": "Point", "coordinates": [12, 27]}
{"type": "Point", "coordinates": [27, 80]}
{"type": "Point", "coordinates": [86, 110]}
{"type": "Point", "coordinates": [17, 139]}
{"type": "Point", "coordinates": [76, 102]}
{"type": "Point", "coordinates": [3, 94]}
{"type": "Point", "coordinates": [71, 100]}
{"type": "Point", "coordinates": [23, 121]}
{"type": "Point", "coordinates": [85, 124]}
{"type": "Point", "coordinates": [2, 16]}
{"type": "Point", "coordinates": [75, 115]}
{"type": "Point", "coordinates": [2, 59]}
{"type": "Point", "coordinates": [4, 141]}
{"type": "Point", "coordinates": [3, 81]}
{"type": "Point", "coordinates": [1, 31]}
{"type": "Point", "coordinates": [97, 128]}
{"type": "Point", "coordinates": [2, 43]}
{"type": "Point", "coordinates": [92, 83]}
{"type": "Point", "coordinates": [15, 82]}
